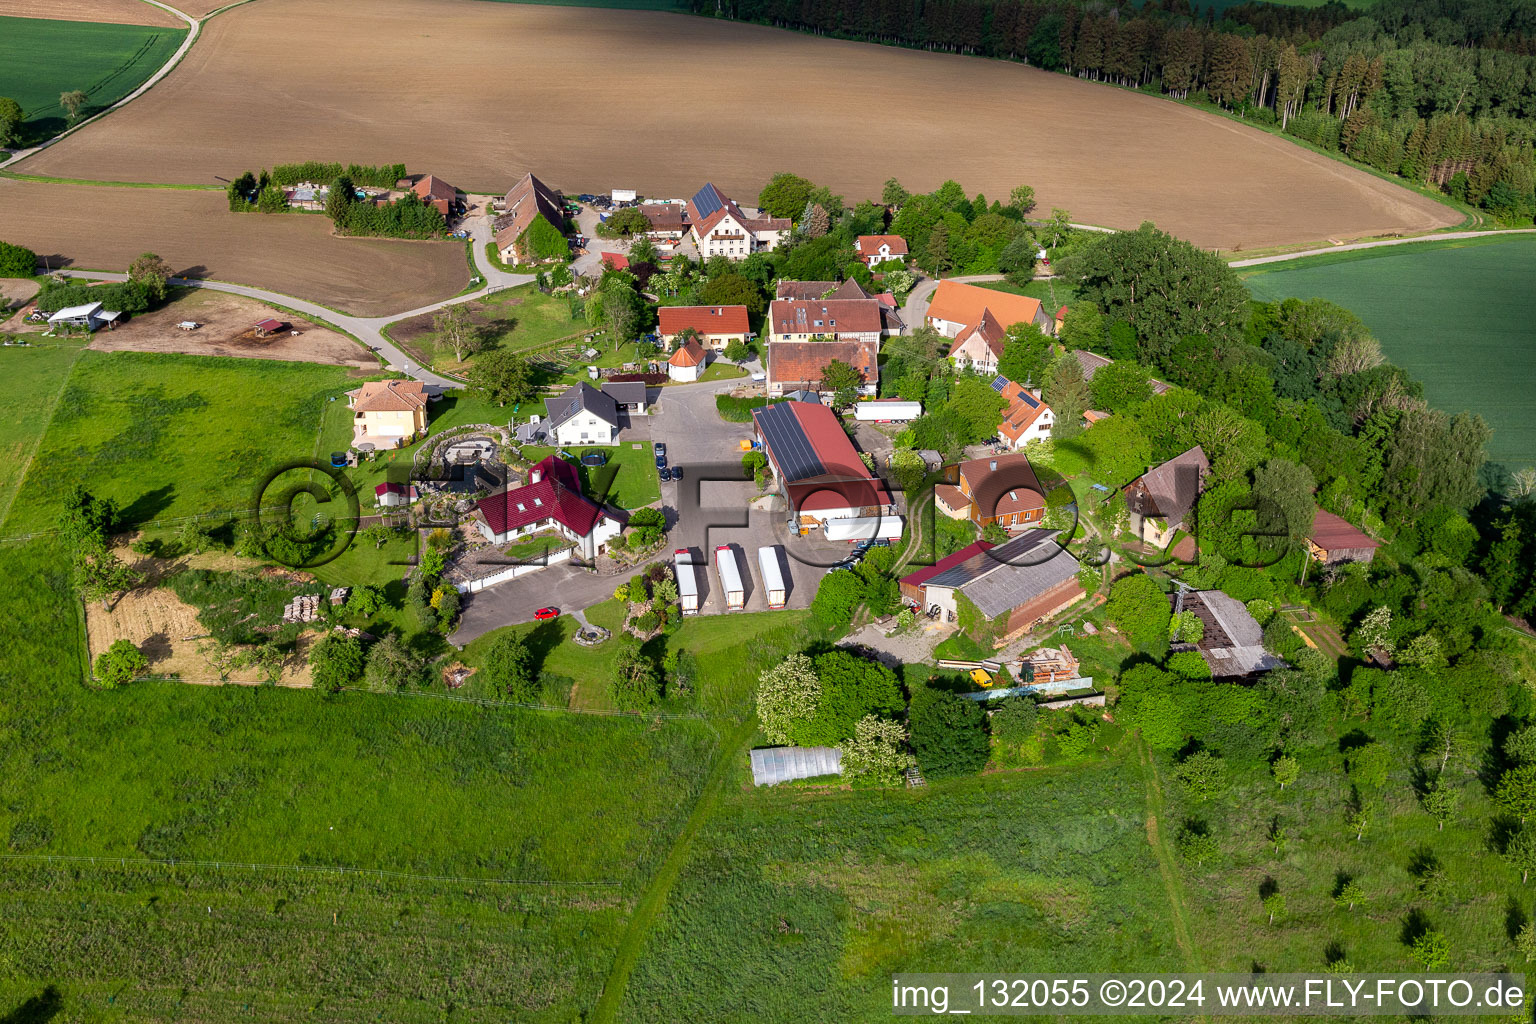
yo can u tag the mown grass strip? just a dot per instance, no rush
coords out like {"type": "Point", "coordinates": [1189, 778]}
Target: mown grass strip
{"type": "Point", "coordinates": [655, 896]}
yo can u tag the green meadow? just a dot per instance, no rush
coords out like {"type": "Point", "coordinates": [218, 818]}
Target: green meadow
{"type": "Point", "coordinates": [36, 374]}
{"type": "Point", "coordinates": [41, 58]}
{"type": "Point", "coordinates": [1458, 316]}
{"type": "Point", "coordinates": [171, 435]}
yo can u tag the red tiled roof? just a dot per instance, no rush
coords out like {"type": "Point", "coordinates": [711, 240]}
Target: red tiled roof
{"type": "Point", "coordinates": [616, 260]}
{"type": "Point", "coordinates": [388, 396]}
{"type": "Point", "coordinates": [928, 572]}
{"type": "Point", "coordinates": [433, 187]}
{"type": "Point", "coordinates": [803, 362]}
{"type": "Point", "coordinates": [269, 324]}
{"type": "Point", "coordinates": [1022, 411]}
{"type": "Point", "coordinates": [706, 320]}
{"type": "Point", "coordinates": [557, 495]}
{"type": "Point", "coordinates": [868, 245]}
{"type": "Point", "coordinates": [836, 316]}
{"type": "Point", "coordinates": [690, 353]}
{"type": "Point", "coordinates": [393, 488]}
{"type": "Point", "coordinates": [1333, 533]}
{"type": "Point", "coordinates": [963, 304]}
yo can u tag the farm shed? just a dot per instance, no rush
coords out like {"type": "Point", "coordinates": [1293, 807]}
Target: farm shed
{"type": "Point", "coordinates": [1335, 540]}
{"type": "Point", "coordinates": [90, 316]}
{"type": "Point", "coordinates": [268, 326]}
{"type": "Point", "coordinates": [773, 765]}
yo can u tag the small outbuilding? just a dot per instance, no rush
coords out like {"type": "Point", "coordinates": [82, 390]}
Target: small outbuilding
{"type": "Point", "coordinates": [1335, 540]}
{"type": "Point", "coordinates": [687, 362]}
{"type": "Point", "coordinates": [268, 326]}
{"type": "Point", "coordinates": [773, 765]}
{"type": "Point", "coordinates": [391, 494]}
{"type": "Point", "coordinates": [91, 315]}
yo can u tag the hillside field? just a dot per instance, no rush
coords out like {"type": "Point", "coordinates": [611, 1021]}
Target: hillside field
{"type": "Point", "coordinates": [1458, 316]}
{"type": "Point", "coordinates": [89, 227]}
{"type": "Point", "coordinates": [41, 58]}
{"type": "Point", "coordinates": [1116, 158]}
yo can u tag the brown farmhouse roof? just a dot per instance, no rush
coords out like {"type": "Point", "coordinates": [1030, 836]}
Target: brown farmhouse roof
{"type": "Point", "coordinates": [825, 316]}
{"type": "Point", "coordinates": [803, 362]}
{"type": "Point", "coordinates": [1331, 533]}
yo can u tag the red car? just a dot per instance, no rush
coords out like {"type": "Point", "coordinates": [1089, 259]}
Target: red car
{"type": "Point", "coordinates": [546, 613]}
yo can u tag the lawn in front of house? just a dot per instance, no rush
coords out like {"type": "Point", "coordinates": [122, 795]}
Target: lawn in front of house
{"type": "Point", "coordinates": [538, 545]}
{"type": "Point", "coordinates": [627, 480]}
{"type": "Point", "coordinates": [722, 370]}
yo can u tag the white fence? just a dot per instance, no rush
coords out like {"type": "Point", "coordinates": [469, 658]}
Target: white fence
{"type": "Point", "coordinates": [512, 572]}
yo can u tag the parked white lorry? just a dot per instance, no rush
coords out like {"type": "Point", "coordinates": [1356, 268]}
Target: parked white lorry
{"type": "Point", "coordinates": [687, 583]}
{"type": "Point", "coordinates": [730, 578]}
{"type": "Point", "coordinates": [773, 578]}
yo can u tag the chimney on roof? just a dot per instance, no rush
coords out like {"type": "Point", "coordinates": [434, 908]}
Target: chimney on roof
{"type": "Point", "coordinates": [535, 476]}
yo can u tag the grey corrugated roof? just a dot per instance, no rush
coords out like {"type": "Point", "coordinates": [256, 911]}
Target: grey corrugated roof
{"type": "Point", "coordinates": [1022, 569]}
{"type": "Point", "coordinates": [1241, 628]}
{"type": "Point", "coordinates": [772, 765]}
{"type": "Point", "coordinates": [1242, 652]}
{"type": "Point", "coordinates": [582, 396]}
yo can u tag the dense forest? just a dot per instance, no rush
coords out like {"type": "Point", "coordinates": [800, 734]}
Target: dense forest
{"type": "Point", "coordinates": [1440, 92]}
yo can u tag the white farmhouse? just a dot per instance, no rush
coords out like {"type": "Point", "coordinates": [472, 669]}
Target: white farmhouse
{"type": "Point", "coordinates": [583, 415]}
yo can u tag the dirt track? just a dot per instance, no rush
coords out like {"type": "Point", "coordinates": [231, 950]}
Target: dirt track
{"type": "Point", "coordinates": [99, 228]}
{"type": "Point", "coordinates": [226, 328]}
{"type": "Point", "coordinates": [480, 92]}
{"type": "Point", "coordinates": [115, 12]}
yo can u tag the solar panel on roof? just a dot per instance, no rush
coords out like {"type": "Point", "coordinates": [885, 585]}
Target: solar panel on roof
{"type": "Point", "coordinates": [998, 383]}
{"type": "Point", "coordinates": [786, 439]}
{"type": "Point", "coordinates": [707, 200]}
{"type": "Point", "coordinates": [1029, 400]}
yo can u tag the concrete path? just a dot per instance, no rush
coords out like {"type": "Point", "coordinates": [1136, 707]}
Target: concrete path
{"type": "Point", "coordinates": [194, 27]}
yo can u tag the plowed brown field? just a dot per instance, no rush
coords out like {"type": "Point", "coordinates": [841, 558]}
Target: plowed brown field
{"type": "Point", "coordinates": [100, 228]}
{"type": "Point", "coordinates": [481, 92]}
{"type": "Point", "coordinates": [115, 12]}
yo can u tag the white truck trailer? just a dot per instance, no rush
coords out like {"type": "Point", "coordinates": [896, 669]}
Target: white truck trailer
{"type": "Point", "coordinates": [730, 578]}
{"type": "Point", "coordinates": [773, 578]}
{"type": "Point", "coordinates": [687, 583]}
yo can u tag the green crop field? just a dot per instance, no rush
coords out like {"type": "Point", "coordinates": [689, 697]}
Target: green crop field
{"type": "Point", "coordinates": [39, 59]}
{"type": "Point", "coordinates": [1459, 316]}
{"type": "Point", "coordinates": [164, 434]}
